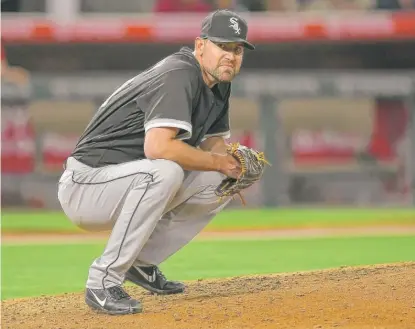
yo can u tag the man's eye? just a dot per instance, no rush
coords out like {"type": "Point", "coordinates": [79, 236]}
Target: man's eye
{"type": "Point", "coordinates": [238, 50]}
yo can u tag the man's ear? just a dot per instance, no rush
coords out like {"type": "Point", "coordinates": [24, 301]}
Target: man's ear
{"type": "Point", "coordinates": [200, 44]}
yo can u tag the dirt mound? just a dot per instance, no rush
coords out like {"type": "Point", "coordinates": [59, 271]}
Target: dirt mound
{"type": "Point", "coordinates": [360, 298]}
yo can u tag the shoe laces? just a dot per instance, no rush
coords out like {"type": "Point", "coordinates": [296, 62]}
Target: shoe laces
{"type": "Point", "coordinates": [159, 273]}
{"type": "Point", "coordinates": [118, 293]}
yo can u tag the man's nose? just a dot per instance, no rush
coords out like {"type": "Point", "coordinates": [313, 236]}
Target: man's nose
{"type": "Point", "coordinates": [230, 55]}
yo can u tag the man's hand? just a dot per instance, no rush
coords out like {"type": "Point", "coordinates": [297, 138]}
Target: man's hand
{"type": "Point", "coordinates": [252, 163]}
{"type": "Point", "coordinates": [228, 165]}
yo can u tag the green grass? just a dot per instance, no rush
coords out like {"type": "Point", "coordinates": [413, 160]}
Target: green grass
{"type": "Point", "coordinates": [280, 218]}
{"type": "Point", "coordinates": [233, 219]}
{"type": "Point", "coordinates": [31, 270]}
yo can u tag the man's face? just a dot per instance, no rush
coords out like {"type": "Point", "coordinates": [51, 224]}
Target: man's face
{"type": "Point", "coordinates": [222, 61]}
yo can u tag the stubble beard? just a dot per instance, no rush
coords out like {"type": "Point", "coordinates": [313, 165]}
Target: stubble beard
{"type": "Point", "coordinates": [216, 74]}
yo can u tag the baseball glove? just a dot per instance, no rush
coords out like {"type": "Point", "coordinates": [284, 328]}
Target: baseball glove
{"type": "Point", "coordinates": [253, 166]}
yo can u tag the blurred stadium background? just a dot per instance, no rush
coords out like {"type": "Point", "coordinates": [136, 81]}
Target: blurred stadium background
{"type": "Point", "coordinates": [329, 93]}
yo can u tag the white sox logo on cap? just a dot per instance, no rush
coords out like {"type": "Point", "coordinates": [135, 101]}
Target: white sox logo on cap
{"type": "Point", "coordinates": [225, 26]}
{"type": "Point", "coordinates": [235, 25]}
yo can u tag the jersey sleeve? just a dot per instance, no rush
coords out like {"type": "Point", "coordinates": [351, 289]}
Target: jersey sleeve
{"type": "Point", "coordinates": [169, 102]}
{"type": "Point", "coordinates": [221, 127]}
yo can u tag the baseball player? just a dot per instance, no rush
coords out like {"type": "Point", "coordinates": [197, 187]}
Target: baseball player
{"type": "Point", "coordinates": [148, 162]}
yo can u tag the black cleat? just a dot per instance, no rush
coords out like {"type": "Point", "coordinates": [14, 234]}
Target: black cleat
{"type": "Point", "coordinates": [151, 279]}
{"type": "Point", "coordinates": [113, 300]}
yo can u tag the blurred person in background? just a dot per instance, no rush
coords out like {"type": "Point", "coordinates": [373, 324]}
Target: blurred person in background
{"type": "Point", "coordinates": [12, 74]}
{"type": "Point", "coordinates": [172, 6]}
{"type": "Point", "coordinates": [389, 126]}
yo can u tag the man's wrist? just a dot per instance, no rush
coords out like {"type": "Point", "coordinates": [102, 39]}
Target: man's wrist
{"type": "Point", "coordinates": [216, 160]}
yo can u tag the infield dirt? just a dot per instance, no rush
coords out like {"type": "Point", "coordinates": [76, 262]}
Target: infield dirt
{"type": "Point", "coordinates": [372, 297]}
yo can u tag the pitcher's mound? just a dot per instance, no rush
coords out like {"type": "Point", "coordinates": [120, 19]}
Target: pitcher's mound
{"type": "Point", "coordinates": [380, 296]}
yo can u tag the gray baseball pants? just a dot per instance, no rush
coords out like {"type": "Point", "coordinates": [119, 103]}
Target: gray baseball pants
{"type": "Point", "coordinates": [153, 207]}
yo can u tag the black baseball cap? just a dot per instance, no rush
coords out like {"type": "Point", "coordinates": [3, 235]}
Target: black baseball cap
{"type": "Point", "coordinates": [225, 26]}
